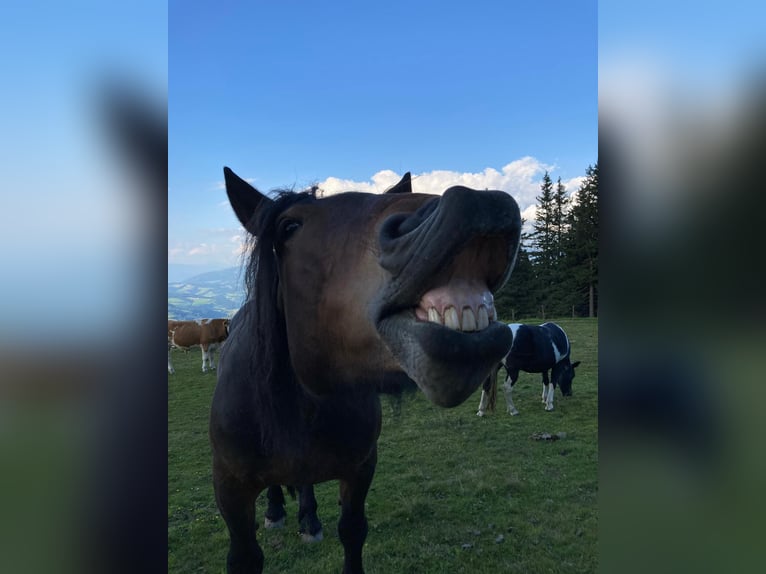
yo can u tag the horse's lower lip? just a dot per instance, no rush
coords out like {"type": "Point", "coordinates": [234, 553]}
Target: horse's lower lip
{"type": "Point", "coordinates": [446, 364]}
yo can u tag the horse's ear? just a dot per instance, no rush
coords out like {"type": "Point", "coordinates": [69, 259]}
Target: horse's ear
{"type": "Point", "coordinates": [575, 365]}
{"type": "Point", "coordinates": [244, 198]}
{"type": "Point", "coordinates": [404, 186]}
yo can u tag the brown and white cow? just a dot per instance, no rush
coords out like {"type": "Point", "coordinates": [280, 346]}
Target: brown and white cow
{"type": "Point", "coordinates": [207, 334]}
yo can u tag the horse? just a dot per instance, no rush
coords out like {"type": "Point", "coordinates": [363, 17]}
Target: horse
{"type": "Point", "coordinates": [347, 294]}
{"type": "Point", "coordinates": [535, 349]}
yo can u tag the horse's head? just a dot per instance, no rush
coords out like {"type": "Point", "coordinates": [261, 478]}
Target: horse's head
{"type": "Point", "coordinates": [373, 286]}
{"type": "Point", "coordinates": [563, 374]}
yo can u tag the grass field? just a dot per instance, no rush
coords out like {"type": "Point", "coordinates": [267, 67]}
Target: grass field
{"type": "Point", "coordinates": [452, 493]}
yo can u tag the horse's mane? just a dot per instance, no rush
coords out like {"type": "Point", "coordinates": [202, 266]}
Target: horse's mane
{"type": "Point", "coordinates": [277, 395]}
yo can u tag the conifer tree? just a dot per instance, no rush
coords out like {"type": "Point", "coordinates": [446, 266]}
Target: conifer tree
{"type": "Point", "coordinates": [582, 244]}
{"type": "Point", "coordinates": [559, 219]}
{"type": "Point", "coordinates": [562, 286]}
{"type": "Point", "coordinates": [542, 244]}
{"type": "Point", "coordinates": [518, 298]}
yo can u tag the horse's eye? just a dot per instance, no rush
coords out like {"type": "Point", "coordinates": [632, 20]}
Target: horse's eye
{"type": "Point", "coordinates": [286, 228]}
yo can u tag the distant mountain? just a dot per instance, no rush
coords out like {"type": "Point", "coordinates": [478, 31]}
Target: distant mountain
{"type": "Point", "coordinates": [183, 271]}
{"type": "Point", "coordinates": [207, 295]}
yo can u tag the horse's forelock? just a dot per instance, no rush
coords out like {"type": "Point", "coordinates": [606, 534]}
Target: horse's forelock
{"type": "Point", "coordinates": [261, 263]}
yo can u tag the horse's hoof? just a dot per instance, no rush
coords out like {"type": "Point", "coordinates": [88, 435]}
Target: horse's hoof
{"type": "Point", "coordinates": [274, 523]}
{"type": "Point", "coordinates": [513, 412]}
{"type": "Point", "coordinates": [309, 539]}
{"type": "Point", "coordinates": [549, 409]}
{"type": "Point", "coordinates": [480, 414]}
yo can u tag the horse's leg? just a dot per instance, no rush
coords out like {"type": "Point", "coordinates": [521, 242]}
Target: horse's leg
{"type": "Point", "coordinates": [352, 526]}
{"type": "Point", "coordinates": [513, 376]}
{"type": "Point", "coordinates": [485, 389]}
{"type": "Point", "coordinates": [237, 505]}
{"type": "Point", "coordinates": [310, 527]}
{"type": "Point", "coordinates": [275, 510]}
{"type": "Point", "coordinates": [549, 396]}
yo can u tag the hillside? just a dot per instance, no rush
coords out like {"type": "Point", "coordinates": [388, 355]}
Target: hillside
{"type": "Point", "coordinates": [207, 295]}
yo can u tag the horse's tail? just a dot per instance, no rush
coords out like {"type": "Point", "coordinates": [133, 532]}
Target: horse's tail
{"type": "Point", "coordinates": [490, 387]}
{"type": "Point", "coordinates": [291, 491]}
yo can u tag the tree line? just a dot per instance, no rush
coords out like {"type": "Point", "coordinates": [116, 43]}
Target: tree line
{"type": "Point", "coordinates": [556, 271]}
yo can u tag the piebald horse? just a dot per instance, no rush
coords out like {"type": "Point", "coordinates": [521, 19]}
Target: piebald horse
{"type": "Point", "coordinates": [535, 349]}
{"type": "Point", "coordinates": [347, 294]}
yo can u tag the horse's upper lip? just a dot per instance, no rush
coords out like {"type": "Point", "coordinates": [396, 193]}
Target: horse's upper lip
{"type": "Point", "coordinates": [459, 295]}
{"type": "Point", "coordinates": [455, 251]}
{"type": "Point", "coordinates": [436, 314]}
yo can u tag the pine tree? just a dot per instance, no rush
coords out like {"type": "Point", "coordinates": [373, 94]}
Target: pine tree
{"type": "Point", "coordinates": [582, 244]}
{"type": "Point", "coordinates": [559, 219]}
{"type": "Point", "coordinates": [542, 245]}
{"type": "Point", "coordinates": [518, 298]}
{"type": "Point", "coordinates": [561, 277]}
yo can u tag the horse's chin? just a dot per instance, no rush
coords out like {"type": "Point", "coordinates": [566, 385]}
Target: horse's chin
{"type": "Point", "coordinates": [447, 365]}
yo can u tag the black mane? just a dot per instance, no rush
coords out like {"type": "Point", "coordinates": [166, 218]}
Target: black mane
{"type": "Point", "coordinates": [276, 393]}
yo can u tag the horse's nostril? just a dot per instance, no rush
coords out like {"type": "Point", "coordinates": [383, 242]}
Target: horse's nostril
{"type": "Point", "coordinates": [400, 224]}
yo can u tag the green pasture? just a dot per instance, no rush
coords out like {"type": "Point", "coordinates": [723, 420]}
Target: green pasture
{"type": "Point", "coordinates": [452, 493]}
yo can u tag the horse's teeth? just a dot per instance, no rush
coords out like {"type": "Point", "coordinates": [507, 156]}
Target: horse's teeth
{"type": "Point", "coordinates": [451, 320]}
{"type": "Point", "coordinates": [469, 319]}
{"type": "Point", "coordinates": [483, 318]}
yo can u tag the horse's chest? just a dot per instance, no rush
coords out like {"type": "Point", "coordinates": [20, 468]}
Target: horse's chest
{"type": "Point", "coordinates": [344, 431]}
{"type": "Point", "coordinates": [339, 435]}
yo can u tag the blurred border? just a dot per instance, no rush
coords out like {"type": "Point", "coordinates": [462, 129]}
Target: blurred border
{"type": "Point", "coordinates": [83, 404]}
{"type": "Point", "coordinates": [682, 123]}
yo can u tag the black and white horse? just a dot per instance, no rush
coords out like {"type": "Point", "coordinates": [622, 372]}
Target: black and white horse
{"type": "Point", "coordinates": [535, 349]}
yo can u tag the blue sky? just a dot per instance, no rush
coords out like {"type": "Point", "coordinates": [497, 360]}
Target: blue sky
{"type": "Point", "coordinates": [71, 220]}
{"type": "Point", "coordinates": [294, 93]}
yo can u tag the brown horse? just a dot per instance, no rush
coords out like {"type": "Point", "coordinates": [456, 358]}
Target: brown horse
{"type": "Point", "coordinates": [347, 294]}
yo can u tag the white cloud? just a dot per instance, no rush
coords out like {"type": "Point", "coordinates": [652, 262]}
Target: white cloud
{"type": "Point", "coordinates": [202, 249]}
{"type": "Point", "coordinates": [528, 215]}
{"type": "Point", "coordinates": [520, 178]}
{"type": "Point", "coordinates": [214, 246]}
{"type": "Point", "coordinates": [573, 184]}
